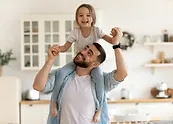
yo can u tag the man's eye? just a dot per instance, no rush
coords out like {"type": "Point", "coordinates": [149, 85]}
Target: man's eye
{"type": "Point", "coordinates": [88, 15]}
{"type": "Point", "coordinates": [89, 54]}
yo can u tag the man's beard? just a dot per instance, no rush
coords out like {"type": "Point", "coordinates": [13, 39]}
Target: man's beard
{"type": "Point", "coordinates": [82, 64]}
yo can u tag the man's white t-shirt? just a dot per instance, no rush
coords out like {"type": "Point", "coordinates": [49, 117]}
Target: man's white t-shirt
{"type": "Point", "coordinates": [80, 42]}
{"type": "Point", "coordinates": [78, 106]}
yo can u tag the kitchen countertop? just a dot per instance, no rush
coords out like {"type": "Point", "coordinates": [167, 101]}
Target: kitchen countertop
{"type": "Point", "coordinates": [35, 102]}
{"type": "Point", "coordinates": [151, 100]}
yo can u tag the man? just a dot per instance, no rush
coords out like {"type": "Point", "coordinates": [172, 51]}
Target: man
{"type": "Point", "coordinates": [77, 97]}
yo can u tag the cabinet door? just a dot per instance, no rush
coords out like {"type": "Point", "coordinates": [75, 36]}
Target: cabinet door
{"type": "Point", "coordinates": [69, 26]}
{"type": "Point", "coordinates": [157, 111]}
{"type": "Point", "coordinates": [51, 36]}
{"type": "Point", "coordinates": [30, 44]}
{"type": "Point", "coordinates": [56, 32]}
{"type": "Point", "coordinates": [39, 33]}
{"type": "Point", "coordinates": [161, 111]}
{"type": "Point", "coordinates": [35, 114]}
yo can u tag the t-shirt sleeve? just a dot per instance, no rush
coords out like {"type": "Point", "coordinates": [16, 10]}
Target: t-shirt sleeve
{"type": "Point", "coordinates": [109, 81]}
{"type": "Point", "coordinates": [72, 36]}
{"type": "Point", "coordinates": [50, 82]}
{"type": "Point", "coordinates": [100, 32]}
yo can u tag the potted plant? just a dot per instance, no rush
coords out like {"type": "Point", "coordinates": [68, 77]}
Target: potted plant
{"type": "Point", "coordinates": [5, 58]}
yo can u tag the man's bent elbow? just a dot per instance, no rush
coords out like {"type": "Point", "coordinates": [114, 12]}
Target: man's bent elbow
{"type": "Point", "coordinates": [121, 76]}
{"type": "Point", "coordinates": [37, 87]}
{"type": "Point", "coordinates": [124, 75]}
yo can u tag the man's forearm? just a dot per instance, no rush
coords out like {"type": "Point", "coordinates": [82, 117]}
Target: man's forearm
{"type": "Point", "coordinates": [121, 72]}
{"type": "Point", "coordinates": [42, 76]}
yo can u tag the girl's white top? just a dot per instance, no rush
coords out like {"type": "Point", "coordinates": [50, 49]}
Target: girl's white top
{"type": "Point", "coordinates": [80, 42]}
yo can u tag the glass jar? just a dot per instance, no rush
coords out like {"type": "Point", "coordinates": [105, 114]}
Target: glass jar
{"type": "Point", "coordinates": [124, 93]}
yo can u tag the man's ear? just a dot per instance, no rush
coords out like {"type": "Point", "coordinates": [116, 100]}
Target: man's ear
{"type": "Point", "coordinates": [96, 64]}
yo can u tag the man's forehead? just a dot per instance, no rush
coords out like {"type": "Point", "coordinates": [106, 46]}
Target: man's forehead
{"type": "Point", "coordinates": [94, 49]}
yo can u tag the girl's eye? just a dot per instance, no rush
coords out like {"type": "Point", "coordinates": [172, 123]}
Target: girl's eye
{"type": "Point", "coordinates": [80, 15]}
{"type": "Point", "coordinates": [88, 15]}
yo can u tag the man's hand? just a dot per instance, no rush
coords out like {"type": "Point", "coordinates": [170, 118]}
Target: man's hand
{"type": "Point", "coordinates": [53, 52]}
{"type": "Point", "coordinates": [116, 35]}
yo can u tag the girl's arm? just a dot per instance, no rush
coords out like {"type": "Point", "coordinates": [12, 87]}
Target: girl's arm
{"type": "Point", "coordinates": [65, 47]}
{"type": "Point", "coordinates": [107, 38]}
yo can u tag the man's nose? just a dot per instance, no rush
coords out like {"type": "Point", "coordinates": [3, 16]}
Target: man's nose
{"type": "Point", "coordinates": [84, 52]}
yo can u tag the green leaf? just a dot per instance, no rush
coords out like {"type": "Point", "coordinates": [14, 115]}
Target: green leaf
{"type": "Point", "coordinates": [6, 57]}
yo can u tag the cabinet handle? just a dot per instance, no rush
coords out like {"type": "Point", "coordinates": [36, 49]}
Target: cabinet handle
{"type": "Point", "coordinates": [30, 104]}
{"type": "Point", "coordinates": [137, 103]}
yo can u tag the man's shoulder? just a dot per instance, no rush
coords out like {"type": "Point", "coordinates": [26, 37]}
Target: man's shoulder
{"type": "Point", "coordinates": [54, 71]}
{"type": "Point", "coordinates": [109, 75]}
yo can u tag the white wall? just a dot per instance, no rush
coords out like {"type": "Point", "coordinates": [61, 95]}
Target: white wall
{"type": "Point", "coordinates": [141, 17]}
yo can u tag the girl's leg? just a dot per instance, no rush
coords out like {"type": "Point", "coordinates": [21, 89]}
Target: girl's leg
{"type": "Point", "coordinates": [63, 72]}
{"type": "Point", "coordinates": [54, 108]}
{"type": "Point", "coordinates": [97, 76]}
{"type": "Point", "coordinates": [52, 120]}
{"type": "Point", "coordinates": [97, 115]}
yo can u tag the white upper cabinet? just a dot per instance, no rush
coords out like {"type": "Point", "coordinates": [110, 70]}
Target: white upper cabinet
{"type": "Point", "coordinates": [38, 33]}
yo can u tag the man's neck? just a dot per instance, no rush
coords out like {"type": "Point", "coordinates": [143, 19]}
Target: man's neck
{"type": "Point", "coordinates": [82, 71]}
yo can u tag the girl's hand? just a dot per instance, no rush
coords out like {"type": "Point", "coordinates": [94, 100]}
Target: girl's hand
{"type": "Point", "coordinates": [56, 51]}
{"type": "Point", "coordinates": [53, 52]}
{"type": "Point", "coordinates": [116, 35]}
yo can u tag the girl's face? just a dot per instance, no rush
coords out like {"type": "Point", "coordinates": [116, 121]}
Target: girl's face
{"type": "Point", "coordinates": [84, 18]}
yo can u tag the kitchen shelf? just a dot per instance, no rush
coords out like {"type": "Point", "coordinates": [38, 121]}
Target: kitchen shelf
{"type": "Point", "coordinates": [158, 44]}
{"type": "Point", "coordinates": [159, 65]}
{"type": "Point", "coordinates": [152, 100]}
{"type": "Point", "coordinates": [149, 100]}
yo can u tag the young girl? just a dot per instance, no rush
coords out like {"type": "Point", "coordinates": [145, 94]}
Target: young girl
{"type": "Point", "coordinates": [84, 35]}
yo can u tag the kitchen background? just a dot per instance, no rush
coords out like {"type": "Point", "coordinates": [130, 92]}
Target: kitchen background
{"type": "Point", "coordinates": [140, 17]}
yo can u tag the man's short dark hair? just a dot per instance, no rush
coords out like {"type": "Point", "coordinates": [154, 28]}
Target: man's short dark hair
{"type": "Point", "coordinates": [101, 58]}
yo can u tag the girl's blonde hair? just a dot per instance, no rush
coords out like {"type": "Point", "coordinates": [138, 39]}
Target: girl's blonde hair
{"type": "Point", "coordinates": [91, 10]}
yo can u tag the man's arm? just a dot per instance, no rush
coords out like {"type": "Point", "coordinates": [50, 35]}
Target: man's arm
{"type": "Point", "coordinates": [121, 72]}
{"type": "Point", "coordinates": [42, 76]}
{"type": "Point", "coordinates": [113, 78]}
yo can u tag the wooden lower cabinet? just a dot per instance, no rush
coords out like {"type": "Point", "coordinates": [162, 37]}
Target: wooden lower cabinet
{"type": "Point", "coordinates": [34, 113]}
